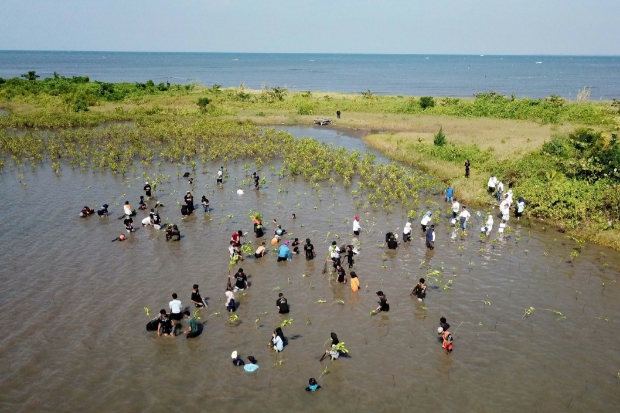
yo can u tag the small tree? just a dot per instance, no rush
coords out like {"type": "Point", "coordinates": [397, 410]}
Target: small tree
{"type": "Point", "coordinates": [203, 102]}
{"type": "Point", "coordinates": [427, 102]}
{"type": "Point", "coordinates": [440, 138]}
{"type": "Point", "coordinates": [31, 75]}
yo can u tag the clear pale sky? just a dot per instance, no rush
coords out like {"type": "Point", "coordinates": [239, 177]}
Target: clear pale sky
{"type": "Point", "coordinates": [578, 27]}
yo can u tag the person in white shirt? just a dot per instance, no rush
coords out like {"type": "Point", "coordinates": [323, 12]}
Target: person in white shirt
{"type": "Point", "coordinates": [504, 208]}
{"type": "Point", "coordinates": [334, 254]}
{"type": "Point", "coordinates": [426, 220]}
{"type": "Point", "coordinates": [407, 232]}
{"type": "Point", "coordinates": [464, 217]}
{"type": "Point", "coordinates": [456, 207]}
{"type": "Point", "coordinates": [492, 183]}
{"type": "Point", "coordinates": [356, 225]}
{"type": "Point", "coordinates": [127, 209]}
{"type": "Point", "coordinates": [147, 221]}
{"type": "Point", "coordinates": [176, 308]}
{"type": "Point", "coordinates": [486, 230]}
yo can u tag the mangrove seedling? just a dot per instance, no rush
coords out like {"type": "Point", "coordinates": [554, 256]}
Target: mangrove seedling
{"type": "Point", "coordinates": [286, 322]}
{"type": "Point", "coordinates": [527, 312]}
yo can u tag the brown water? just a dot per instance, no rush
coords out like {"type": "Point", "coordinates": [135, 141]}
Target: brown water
{"type": "Point", "coordinates": [73, 335]}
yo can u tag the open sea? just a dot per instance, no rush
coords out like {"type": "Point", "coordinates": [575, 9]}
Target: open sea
{"type": "Point", "coordinates": [437, 75]}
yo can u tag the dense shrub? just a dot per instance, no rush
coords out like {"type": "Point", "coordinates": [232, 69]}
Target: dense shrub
{"type": "Point", "coordinates": [427, 102]}
{"type": "Point", "coordinates": [440, 138]}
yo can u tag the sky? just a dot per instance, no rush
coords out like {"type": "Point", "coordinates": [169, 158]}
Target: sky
{"type": "Point", "coordinates": [548, 27]}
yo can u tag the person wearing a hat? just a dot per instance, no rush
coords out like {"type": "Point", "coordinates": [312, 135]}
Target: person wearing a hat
{"type": "Point", "coordinates": [356, 225]}
{"type": "Point", "coordinates": [103, 211]}
{"type": "Point", "coordinates": [284, 253]}
{"type": "Point", "coordinates": [383, 304]}
{"type": "Point", "coordinates": [147, 189]}
{"type": "Point", "coordinates": [407, 232]}
{"type": "Point", "coordinates": [426, 219]}
{"type": "Point", "coordinates": [251, 366]}
{"type": "Point", "coordinates": [189, 201]}
{"type": "Point", "coordinates": [236, 360]}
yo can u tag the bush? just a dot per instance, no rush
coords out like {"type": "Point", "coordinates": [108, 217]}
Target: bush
{"type": "Point", "coordinates": [427, 102]}
{"type": "Point", "coordinates": [304, 110]}
{"type": "Point", "coordinates": [440, 138]}
{"type": "Point", "coordinates": [203, 103]}
{"type": "Point", "coordinates": [79, 106]}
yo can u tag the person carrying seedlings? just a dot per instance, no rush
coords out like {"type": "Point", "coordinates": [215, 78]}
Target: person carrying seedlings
{"type": "Point", "coordinates": [256, 181]}
{"type": "Point", "coordinates": [355, 282]}
{"type": "Point", "coordinates": [284, 253]}
{"type": "Point", "coordinates": [205, 203]}
{"type": "Point", "coordinates": [356, 225]}
{"type": "Point", "coordinates": [103, 211]}
{"type": "Point", "coordinates": [449, 194]}
{"type": "Point", "coordinates": [236, 360]}
{"type": "Point", "coordinates": [164, 326]}
{"type": "Point", "coordinates": [192, 325]}
{"type": "Point", "coordinates": [312, 384]}
{"type": "Point", "coordinates": [383, 303]}
{"type": "Point", "coordinates": [334, 253]}
{"type": "Point", "coordinates": [426, 220]}
{"type": "Point", "coordinates": [430, 238]}
{"type": "Point", "coordinates": [332, 352]}
{"type": "Point", "coordinates": [492, 183]}
{"type": "Point", "coordinates": [147, 189]}
{"type": "Point", "coordinates": [446, 339]}
{"type": "Point", "coordinates": [467, 165]}
{"type": "Point", "coordinates": [342, 275]}
{"type": "Point", "coordinates": [277, 340]}
{"type": "Point", "coordinates": [189, 201]}
{"type": "Point", "coordinates": [127, 209]}
{"type": "Point", "coordinates": [241, 280]}
{"type": "Point", "coordinates": [260, 251]}
{"type": "Point", "coordinates": [230, 304]}
{"type": "Point", "coordinates": [456, 208]}
{"type": "Point", "coordinates": [464, 217]}
{"type": "Point", "coordinates": [282, 304]}
{"type": "Point", "coordinates": [419, 290]}
{"type": "Point", "coordinates": [173, 231]}
{"type": "Point", "coordinates": [197, 299]}
{"type": "Point", "coordinates": [309, 250]}
{"type": "Point", "coordinates": [258, 228]}
{"type": "Point", "coordinates": [407, 232]}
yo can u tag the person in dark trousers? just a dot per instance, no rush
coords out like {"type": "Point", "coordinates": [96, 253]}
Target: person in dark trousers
{"type": "Point", "coordinates": [236, 360]}
{"type": "Point", "coordinates": [342, 275]}
{"type": "Point", "coordinates": [165, 324]}
{"type": "Point", "coordinates": [241, 280]}
{"type": "Point", "coordinates": [419, 290]}
{"type": "Point", "coordinates": [338, 114]}
{"type": "Point", "coordinates": [282, 304]}
{"type": "Point", "coordinates": [192, 325]}
{"type": "Point", "coordinates": [383, 304]}
{"type": "Point", "coordinates": [141, 203]}
{"type": "Point", "coordinates": [197, 299]}
{"type": "Point", "coordinates": [205, 203]}
{"type": "Point", "coordinates": [349, 253]}
{"type": "Point", "coordinates": [430, 238]}
{"type": "Point", "coordinates": [467, 165]}
{"type": "Point", "coordinates": [103, 211]}
{"type": "Point", "coordinates": [189, 201]}
{"type": "Point", "coordinates": [175, 308]}
{"type": "Point", "coordinates": [309, 250]}
{"type": "Point", "coordinates": [147, 189]}
{"type": "Point", "coordinates": [256, 181]}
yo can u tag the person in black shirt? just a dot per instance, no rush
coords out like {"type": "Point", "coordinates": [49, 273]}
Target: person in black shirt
{"type": "Point", "coordinates": [103, 211]}
{"type": "Point", "coordinates": [467, 166]}
{"type": "Point", "coordinates": [241, 280]}
{"type": "Point", "coordinates": [309, 250]}
{"type": "Point", "coordinates": [128, 224]}
{"type": "Point", "coordinates": [444, 324]}
{"type": "Point", "coordinates": [165, 324]}
{"type": "Point", "coordinates": [197, 299]}
{"type": "Point", "coordinates": [236, 360]}
{"type": "Point", "coordinates": [342, 275]}
{"type": "Point", "coordinates": [392, 243]}
{"type": "Point", "coordinates": [205, 203]}
{"type": "Point", "coordinates": [282, 304]}
{"type": "Point", "coordinates": [147, 189]}
{"type": "Point", "coordinates": [189, 201]}
{"type": "Point", "coordinates": [383, 304]}
{"type": "Point", "coordinates": [141, 203]}
{"type": "Point", "coordinates": [256, 180]}
{"type": "Point", "coordinates": [173, 231]}
{"type": "Point", "coordinates": [419, 290]}
{"type": "Point", "coordinates": [349, 253]}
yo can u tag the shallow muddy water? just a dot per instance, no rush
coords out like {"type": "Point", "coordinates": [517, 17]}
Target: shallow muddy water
{"type": "Point", "coordinates": [73, 336]}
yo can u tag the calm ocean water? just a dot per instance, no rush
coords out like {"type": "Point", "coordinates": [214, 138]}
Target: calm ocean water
{"type": "Point", "coordinates": [438, 75]}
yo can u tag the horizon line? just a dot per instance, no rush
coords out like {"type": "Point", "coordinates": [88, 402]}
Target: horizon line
{"type": "Point", "coordinates": [311, 53]}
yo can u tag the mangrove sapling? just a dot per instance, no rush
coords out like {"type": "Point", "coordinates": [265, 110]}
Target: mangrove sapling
{"type": "Point", "coordinates": [286, 322]}
{"type": "Point", "coordinates": [527, 313]}
{"type": "Point", "coordinates": [148, 313]}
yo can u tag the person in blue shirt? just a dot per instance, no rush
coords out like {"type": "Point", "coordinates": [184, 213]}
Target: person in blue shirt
{"type": "Point", "coordinates": [284, 253]}
{"type": "Point", "coordinates": [449, 194]}
{"type": "Point", "coordinates": [251, 366]}
{"type": "Point", "coordinates": [312, 385]}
